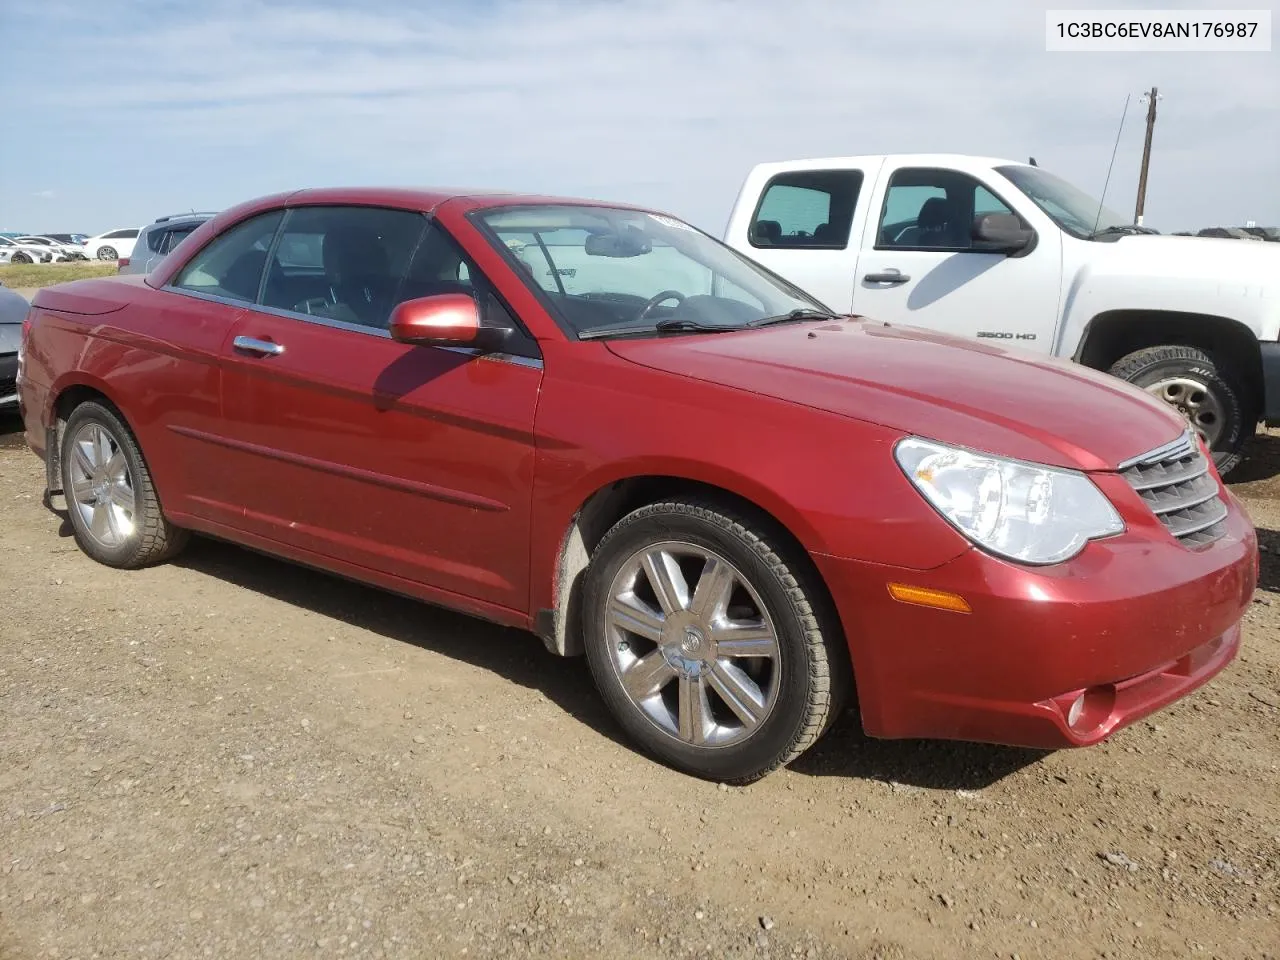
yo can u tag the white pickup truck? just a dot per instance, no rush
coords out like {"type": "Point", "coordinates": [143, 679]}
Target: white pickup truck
{"type": "Point", "coordinates": [1007, 251]}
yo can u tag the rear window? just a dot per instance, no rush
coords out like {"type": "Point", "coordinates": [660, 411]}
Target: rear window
{"type": "Point", "coordinates": [806, 209]}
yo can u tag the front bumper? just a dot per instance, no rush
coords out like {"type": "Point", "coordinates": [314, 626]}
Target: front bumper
{"type": "Point", "coordinates": [1130, 625]}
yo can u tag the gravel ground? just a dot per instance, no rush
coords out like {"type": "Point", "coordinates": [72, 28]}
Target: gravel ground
{"type": "Point", "coordinates": [233, 757]}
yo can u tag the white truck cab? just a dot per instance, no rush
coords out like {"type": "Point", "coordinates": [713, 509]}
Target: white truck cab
{"type": "Point", "coordinates": [1006, 251]}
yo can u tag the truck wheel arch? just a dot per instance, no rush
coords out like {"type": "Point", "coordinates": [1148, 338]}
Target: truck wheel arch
{"type": "Point", "coordinates": [1116, 333]}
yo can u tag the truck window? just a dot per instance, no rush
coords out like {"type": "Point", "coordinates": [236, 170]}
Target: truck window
{"type": "Point", "coordinates": [933, 209]}
{"type": "Point", "coordinates": [806, 208]}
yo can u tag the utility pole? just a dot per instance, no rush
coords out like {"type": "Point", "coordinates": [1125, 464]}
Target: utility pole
{"type": "Point", "coordinates": [1151, 98]}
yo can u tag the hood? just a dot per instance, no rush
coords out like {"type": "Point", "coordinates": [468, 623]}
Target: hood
{"type": "Point", "coordinates": [953, 390]}
{"type": "Point", "coordinates": [1221, 259]}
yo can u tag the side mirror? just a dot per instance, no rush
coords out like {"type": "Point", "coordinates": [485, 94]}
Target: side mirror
{"type": "Point", "coordinates": [445, 320]}
{"type": "Point", "coordinates": [1000, 233]}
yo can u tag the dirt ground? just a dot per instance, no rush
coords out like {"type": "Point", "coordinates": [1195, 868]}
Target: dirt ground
{"type": "Point", "coordinates": [233, 757]}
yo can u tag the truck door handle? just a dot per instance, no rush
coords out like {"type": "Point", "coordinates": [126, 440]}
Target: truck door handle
{"type": "Point", "coordinates": [261, 348]}
{"type": "Point", "coordinates": [889, 276]}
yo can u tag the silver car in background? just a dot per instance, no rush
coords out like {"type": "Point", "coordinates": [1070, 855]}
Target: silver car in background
{"type": "Point", "coordinates": [158, 238]}
{"type": "Point", "coordinates": [13, 252]}
{"type": "Point", "coordinates": [61, 251]}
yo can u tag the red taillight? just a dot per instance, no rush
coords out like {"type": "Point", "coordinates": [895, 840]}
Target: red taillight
{"type": "Point", "coordinates": [121, 264]}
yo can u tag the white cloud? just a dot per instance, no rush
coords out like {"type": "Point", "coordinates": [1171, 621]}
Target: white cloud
{"type": "Point", "coordinates": [665, 102]}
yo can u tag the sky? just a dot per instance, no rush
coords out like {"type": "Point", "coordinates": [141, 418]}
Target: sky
{"type": "Point", "coordinates": [116, 113]}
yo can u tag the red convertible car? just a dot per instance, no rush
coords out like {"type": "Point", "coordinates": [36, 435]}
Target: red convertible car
{"type": "Point", "coordinates": [600, 424]}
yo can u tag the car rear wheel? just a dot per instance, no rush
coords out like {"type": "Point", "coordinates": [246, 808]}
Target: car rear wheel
{"type": "Point", "coordinates": [108, 253]}
{"type": "Point", "coordinates": [21, 257]}
{"type": "Point", "coordinates": [1210, 398]}
{"type": "Point", "coordinates": [115, 513]}
{"type": "Point", "coordinates": [709, 642]}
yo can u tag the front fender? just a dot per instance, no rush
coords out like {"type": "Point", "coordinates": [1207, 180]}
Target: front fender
{"type": "Point", "coordinates": [830, 480]}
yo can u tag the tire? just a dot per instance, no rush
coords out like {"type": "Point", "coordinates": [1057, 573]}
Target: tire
{"type": "Point", "coordinates": [21, 258]}
{"type": "Point", "coordinates": [108, 253]}
{"type": "Point", "coordinates": [105, 527]}
{"type": "Point", "coordinates": [791, 694]}
{"type": "Point", "coordinates": [1209, 396]}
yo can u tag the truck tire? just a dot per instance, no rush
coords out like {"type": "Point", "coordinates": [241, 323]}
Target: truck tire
{"type": "Point", "coordinates": [1210, 398]}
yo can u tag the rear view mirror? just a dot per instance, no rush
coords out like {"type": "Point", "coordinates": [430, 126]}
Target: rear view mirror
{"type": "Point", "coordinates": [445, 320]}
{"type": "Point", "coordinates": [629, 243]}
{"type": "Point", "coordinates": [1000, 233]}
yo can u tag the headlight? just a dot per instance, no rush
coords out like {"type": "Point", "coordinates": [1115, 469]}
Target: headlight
{"type": "Point", "coordinates": [1021, 511]}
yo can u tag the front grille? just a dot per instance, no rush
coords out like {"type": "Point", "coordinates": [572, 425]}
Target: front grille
{"type": "Point", "coordinates": [1176, 483]}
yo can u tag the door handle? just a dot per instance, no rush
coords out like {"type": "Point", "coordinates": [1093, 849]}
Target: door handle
{"type": "Point", "coordinates": [889, 276]}
{"type": "Point", "coordinates": [262, 348]}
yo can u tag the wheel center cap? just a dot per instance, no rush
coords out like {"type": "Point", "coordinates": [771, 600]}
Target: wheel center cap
{"type": "Point", "coordinates": [694, 643]}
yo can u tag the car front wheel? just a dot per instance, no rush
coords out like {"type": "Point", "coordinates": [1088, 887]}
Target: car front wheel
{"type": "Point", "coordinates": [710, 641]}
{"type": "Point", "coordinates": [115, 513]}
{"type": "Point", "coordinates": [108, 253]}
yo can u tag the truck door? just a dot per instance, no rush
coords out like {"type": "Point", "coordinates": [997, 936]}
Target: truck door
{"type": "Point", "coordinates": [806, 227]}
{"type": "Point", "coordinates": [918, 265]}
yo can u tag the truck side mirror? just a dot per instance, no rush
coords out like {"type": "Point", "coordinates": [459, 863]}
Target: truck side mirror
{"type": "Point", "coordinates": [1000, 233]}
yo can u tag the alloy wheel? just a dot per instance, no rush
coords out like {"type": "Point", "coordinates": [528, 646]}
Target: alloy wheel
{"type": "Point", "coordinates": [102, 488]}
{"type": "Point", "coordinates": [692, 644]}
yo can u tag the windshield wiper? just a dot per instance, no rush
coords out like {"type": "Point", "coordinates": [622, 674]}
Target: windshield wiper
{"type": "Point", "coordinates": [1121, 229]}
{"type": "Point", "coordinates": [800, 313]}
{"type": "Point", "coordinates": [669, 325]}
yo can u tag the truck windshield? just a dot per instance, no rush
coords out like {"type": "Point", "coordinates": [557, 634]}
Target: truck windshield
{"type": "Point", "coordinates": [1068, 206]}
{"type": "Point", "coordinates": [616, 272]}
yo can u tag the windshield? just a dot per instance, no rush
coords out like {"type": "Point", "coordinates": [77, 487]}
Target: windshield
{"type": "Point", "coordinates": [1069, 207]}
{"type": "Point", "coordinates": [599, 267]}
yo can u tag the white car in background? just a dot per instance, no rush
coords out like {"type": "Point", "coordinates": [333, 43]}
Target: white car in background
{"type": "Point", "coordinates": [61, 251]}
{"type": "Point", "coordinates": [11, 251]}
{"type": "Point", "coordinates": [111, 245]}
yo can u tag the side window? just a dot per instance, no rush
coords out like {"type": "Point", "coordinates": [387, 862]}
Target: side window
{"type": "Point", "coordinates": [343, 263]}
{"type": "Point", "coordinates": [932, 209]}
{"type": "Point", "coordinates": [984, 202]}
{"type": "Point", "coordinates": [807, 208]}
{"type": "Point", "coordinates": [231, 264]}
{"type": "Point", "coordinates": [121, 235]}
{"type": "Point", "coordinates": [156, 240]}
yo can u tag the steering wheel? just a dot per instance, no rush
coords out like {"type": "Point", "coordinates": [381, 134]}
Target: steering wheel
{"type": "Point", "coordinates": [662, 297]}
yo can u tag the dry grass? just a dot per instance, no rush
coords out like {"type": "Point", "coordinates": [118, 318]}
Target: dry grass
{"type": "Point", "coordinates": [29, 275]}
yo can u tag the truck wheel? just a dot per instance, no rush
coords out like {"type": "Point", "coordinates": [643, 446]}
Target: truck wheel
{"type": "Point", "coordinates": [709, 643]}
{"type": "Point", "coordinates": [1209, 398]}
